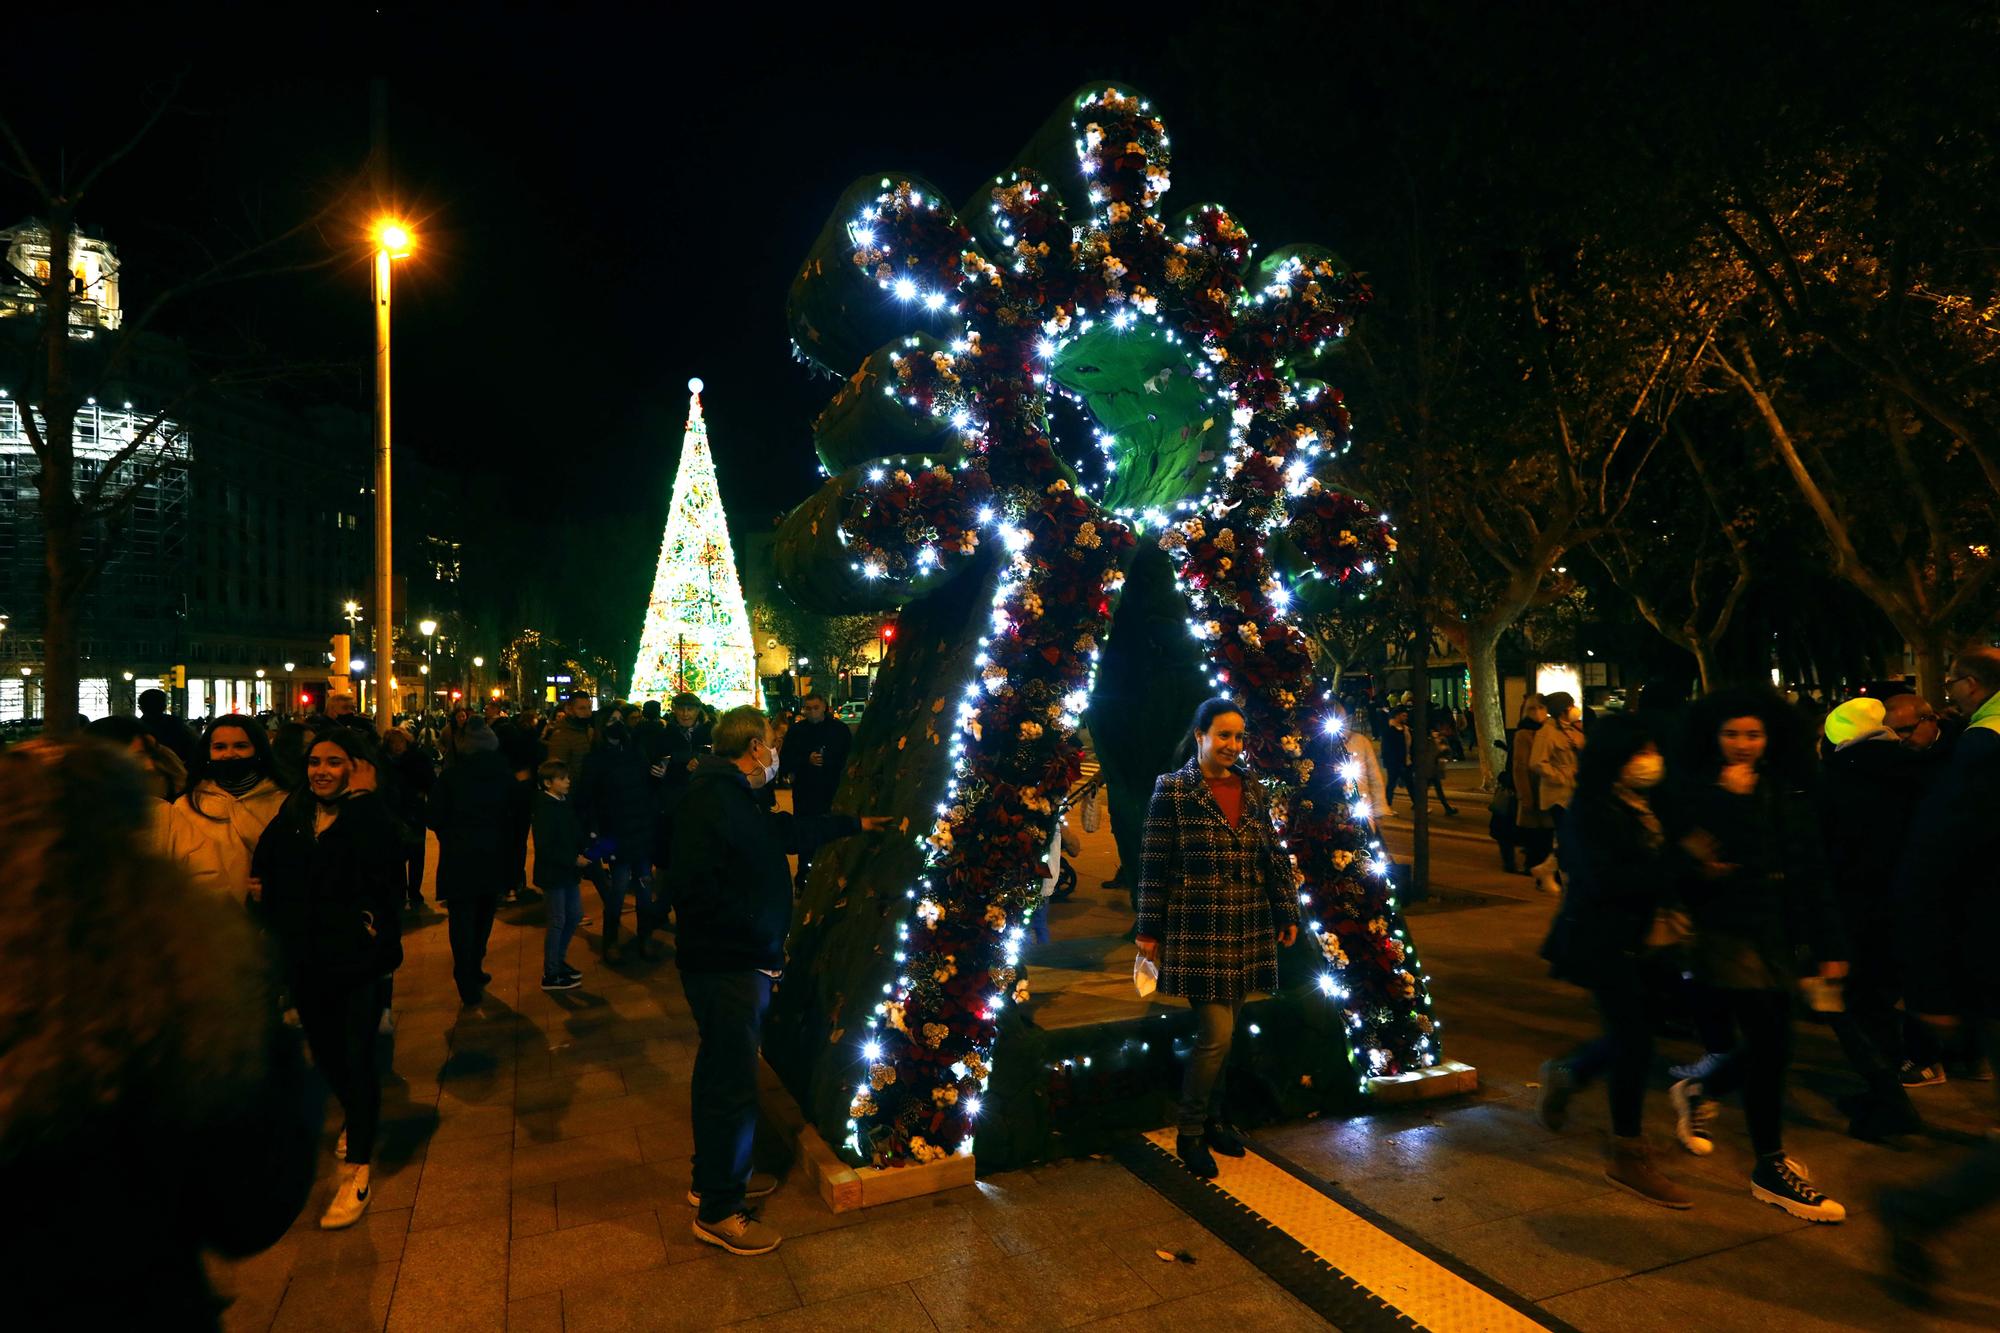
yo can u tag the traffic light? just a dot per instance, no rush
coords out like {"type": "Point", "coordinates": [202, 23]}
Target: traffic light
{"type": "Point", "coordinates": [180, 677]}
{"type": "Point", "coordinates": [342, 655]}
{"type": "Point", "coordinates": [312, 697]}
{"type": "Point", "coordinates": [889, 632]}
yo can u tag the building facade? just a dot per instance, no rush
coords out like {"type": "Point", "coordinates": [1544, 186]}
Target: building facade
{"type": "Point", "coordinates": [248, 540]}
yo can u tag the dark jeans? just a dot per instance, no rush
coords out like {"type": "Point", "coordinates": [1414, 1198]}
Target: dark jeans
{"type": "Point", "coordinates": [470, 926]}
{"type": "Point", "coordinates": [1875, 1035]}
{"type": "Point", "coordinates": [729, 1015]}
{"type": "Point", "coordinates": [340, 1031]}
{"type": "Point", "coordinates": [1763, 1022]}
{"type": "Point", "coordinates": [1628, 1007]}
{"type": "Point", "coordinates": [565, 910]}
{"type": "Point", "coordinates": [1202, 1085]}
{"type": "Point", "coordinates": [1535, 844]}
{"type": "Point", "coordinates": [517, 839]}
{"type": "Point", "coordinates": [624, 874]}
{"type": "Point", "coordinates": [413, 859]}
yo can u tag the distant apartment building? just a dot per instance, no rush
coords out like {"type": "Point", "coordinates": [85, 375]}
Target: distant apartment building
{"type": "Point", "coordinates": [250, 532]}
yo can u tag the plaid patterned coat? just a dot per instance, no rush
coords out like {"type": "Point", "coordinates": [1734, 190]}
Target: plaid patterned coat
{"type": "Point", "coordinates": [1213, 896]}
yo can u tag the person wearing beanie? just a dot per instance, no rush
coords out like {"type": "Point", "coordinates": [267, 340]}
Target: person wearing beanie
{"type": "Point", "coordinates": [1871, 783]}
{"type": "Point", "coordinates": [471, 808]}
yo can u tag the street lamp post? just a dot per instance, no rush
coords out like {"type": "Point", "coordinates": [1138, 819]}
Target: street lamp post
{"type": "Point", "coordinates": [427, 628]}
{"type": "Point", "coordinates": [392, 242]}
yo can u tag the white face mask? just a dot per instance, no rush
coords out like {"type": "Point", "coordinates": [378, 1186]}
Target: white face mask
{"type": "Point", "coordinates": [1643, 771]}
{"type": "Point", "coordinates": [763, 777]}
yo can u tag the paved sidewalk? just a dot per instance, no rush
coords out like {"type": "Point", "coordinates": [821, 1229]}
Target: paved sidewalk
{"type": "Point", "coordinates": [533, 1173]}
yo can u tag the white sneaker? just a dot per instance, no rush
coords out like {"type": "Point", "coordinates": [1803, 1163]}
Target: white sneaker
{"type": "Point", "coordinates": [1693, 1114]}
{"type": "Point", "coordinates": [350, 1201]}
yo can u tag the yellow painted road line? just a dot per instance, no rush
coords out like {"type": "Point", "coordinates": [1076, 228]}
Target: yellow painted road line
{"type": "Point", "coordinates": [1416, 1286]}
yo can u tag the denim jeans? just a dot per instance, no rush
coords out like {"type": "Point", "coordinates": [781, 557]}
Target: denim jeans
{"type": "Point", "coordinates": [612, 886]}
{"type": "Point", "coordinates": [728, 1012]}
{"type": "Point", "coordinates": [565, 910]}
{"type": "Point", "coordinates": [1201, 1086]}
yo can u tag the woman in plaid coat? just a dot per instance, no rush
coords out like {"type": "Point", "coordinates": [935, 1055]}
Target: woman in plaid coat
{"type": "Point", "coordinates": [1216, 899]}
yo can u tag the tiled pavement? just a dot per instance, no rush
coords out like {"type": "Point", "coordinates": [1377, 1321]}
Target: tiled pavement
{"type": "Point", "coordinates": [533, 1170]}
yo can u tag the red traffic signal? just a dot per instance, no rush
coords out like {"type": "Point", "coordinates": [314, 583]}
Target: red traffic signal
{"type": "Point", "coordinates": [889, 633]}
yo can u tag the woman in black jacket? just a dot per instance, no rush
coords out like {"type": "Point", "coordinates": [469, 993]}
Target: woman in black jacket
{"type": "Point", "coordinates": [328, 875]}
{"type": "Point", "coordinates": [1760, 899]}
{"type": "Point", "coordinates": [1614, 856]}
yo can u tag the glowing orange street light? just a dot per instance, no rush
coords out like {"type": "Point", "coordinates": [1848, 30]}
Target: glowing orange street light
{"type": "Point", "coordinates": [392, 242]}
{"type": "Point", "coordinates": [394, 237]}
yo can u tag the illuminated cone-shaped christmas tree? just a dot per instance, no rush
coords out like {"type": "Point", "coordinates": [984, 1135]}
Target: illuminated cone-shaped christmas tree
{"type": "Point", "coordinates": [697, 634]}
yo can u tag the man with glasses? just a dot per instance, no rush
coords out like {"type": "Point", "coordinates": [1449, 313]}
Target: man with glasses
{"type": "Point", "coordinates": [1950, 884]}
{"type": "Point", "coordinates": [1913, 720]}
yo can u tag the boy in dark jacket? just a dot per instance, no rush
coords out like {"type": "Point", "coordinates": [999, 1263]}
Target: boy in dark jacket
{"type": "Point", "coordinates": [733, 892]}
{"type": "Point", "coordinates": [558, 858]}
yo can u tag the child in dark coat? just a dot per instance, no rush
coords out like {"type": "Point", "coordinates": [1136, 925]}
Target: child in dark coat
{"type": "Point", "coordinates": [558, 859]}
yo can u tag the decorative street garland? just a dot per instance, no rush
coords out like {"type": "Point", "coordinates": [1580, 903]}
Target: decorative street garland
{"type": "Point", "coordinates": [1047, 283]}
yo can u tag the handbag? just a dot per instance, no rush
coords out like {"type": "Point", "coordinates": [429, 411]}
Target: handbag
{"type": "Point", "coordinates": [1090, 808]}
{"type": "Point", "coordinates": [1671, 928]}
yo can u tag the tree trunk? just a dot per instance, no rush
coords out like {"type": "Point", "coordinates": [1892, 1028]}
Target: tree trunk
{"type": "Point", "coordinates": [1928, 647]}
{"type": "Point", "coordinates": [1704, 660]}
{"type": "Point", "coordinates": [62, 524]}
{"type": "Point", "coordinates": [1422, 762]}
{"type": "Point", "coordinates": [1489, 719]}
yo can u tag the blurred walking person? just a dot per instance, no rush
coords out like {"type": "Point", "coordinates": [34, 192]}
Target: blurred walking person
{"type": "Point", "coordinates": [1872, 782]}
{"type": "Point", "coordinates": [137, 1016]}
{"type": "Point", "coordinates": [329, 876]}
{"type": "Point", "coordinates": [1619, 881]}
{"type": "Point", "coordinates": [1758, 896]}
{"type": "Point", "coordinates": [1951, 881]}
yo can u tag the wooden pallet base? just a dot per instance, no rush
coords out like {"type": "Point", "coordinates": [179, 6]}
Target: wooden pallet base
{"type": "Point", "coordinates": [844, 1188]}
{"type": "Point", "coordinates": [1448, 1078]}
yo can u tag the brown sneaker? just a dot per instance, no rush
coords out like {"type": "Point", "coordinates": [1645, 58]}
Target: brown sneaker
{"type": "Point", "coordinates": [1630, 1167]}
{"type": "Point", "coordinates": [739, 1233]}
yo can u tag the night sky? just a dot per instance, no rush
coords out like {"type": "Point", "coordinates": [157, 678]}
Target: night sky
{"type": "Point", "coordinates": [608, 205]}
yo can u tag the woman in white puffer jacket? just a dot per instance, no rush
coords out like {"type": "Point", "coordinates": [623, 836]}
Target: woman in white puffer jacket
{"type": "Point", "coordinates": [233, 796]}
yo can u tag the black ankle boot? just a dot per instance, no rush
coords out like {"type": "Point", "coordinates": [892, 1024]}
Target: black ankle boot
{"type": "Point", "coordinates": [1221, 1136]}
{"type": "Point", "coordinates": [1509, 863]}
{"type": "Point", "coordinates": [1195, 1157]}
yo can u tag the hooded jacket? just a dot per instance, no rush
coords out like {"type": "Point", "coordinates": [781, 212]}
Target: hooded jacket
{"type": "Point", "coordinates": [728, 882]}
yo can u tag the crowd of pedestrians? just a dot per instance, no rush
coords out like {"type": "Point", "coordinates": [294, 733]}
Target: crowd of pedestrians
{"type": "Point", "coordinates": [275, 866]}
{"type": "Point", "coordinates": [1721, 868]}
